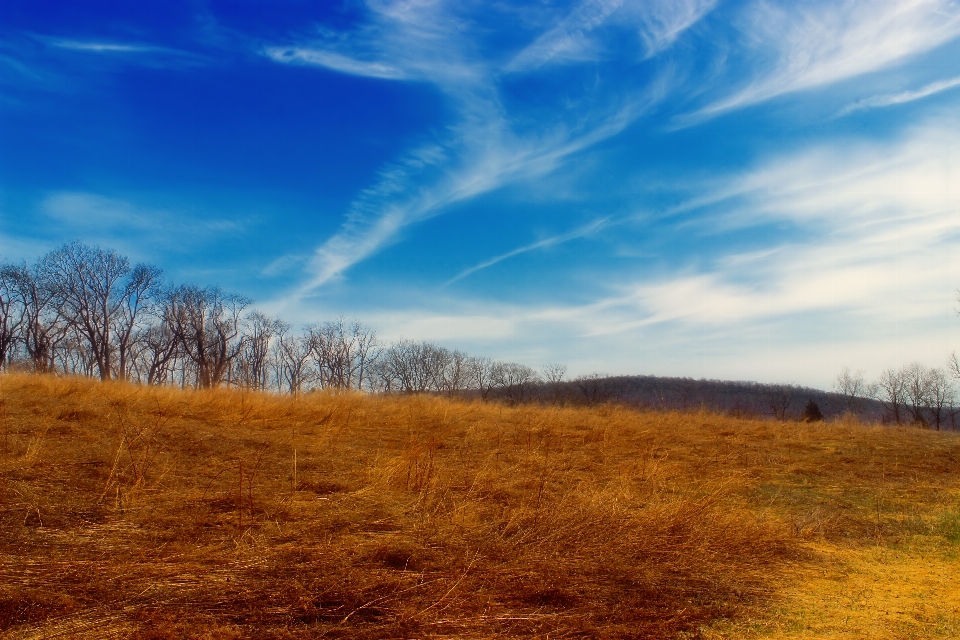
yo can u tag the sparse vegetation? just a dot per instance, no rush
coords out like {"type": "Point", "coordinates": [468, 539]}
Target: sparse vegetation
{"type": "Point", "coordinates": [152, 512]}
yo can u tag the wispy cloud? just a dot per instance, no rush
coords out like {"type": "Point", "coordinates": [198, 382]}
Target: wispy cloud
{"type": "Point", "coordinates": [105, 47]}
{"type": "Point", "coordinates": [580, 35]}
{"type": "Point", "coordinates": [903, 97]}
{"type": "Point", "coordinates": [334, 62]}
{"type": "Point", "coordinates": [121, 223]}
{"type": "Point", "coordinates": [117, 48]}
{"type": "Point", "coordinates": [869, 277]}
{"type": "Point", "coordinates": [661, 23]}
{"type": "Point", "coordinates": [799, 46]}
{"type": "Point", "coordinates": [570, 40]}
{"type": "Point", "coordinates": [479, 152]}
{"type": "Point", "coordinates": [540, 244]}
{"type": "Point", "coordinates": [879, 223]}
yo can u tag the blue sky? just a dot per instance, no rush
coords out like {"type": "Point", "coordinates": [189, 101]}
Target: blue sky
{"type": "Point", "coordinates": [745, 190]}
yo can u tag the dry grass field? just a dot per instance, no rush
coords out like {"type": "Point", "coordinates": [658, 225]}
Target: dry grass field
{"type": "Point", "coordinates": [129, 511]}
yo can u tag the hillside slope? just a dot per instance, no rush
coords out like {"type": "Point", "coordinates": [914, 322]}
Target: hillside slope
{"type": "Point", "coordinates": [157, 513]}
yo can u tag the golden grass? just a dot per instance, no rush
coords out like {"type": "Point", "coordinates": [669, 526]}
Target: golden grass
{"type": "Point", "coordinates": [129, 511]}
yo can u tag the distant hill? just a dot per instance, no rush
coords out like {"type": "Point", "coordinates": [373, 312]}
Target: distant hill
{"type": "Point", "coordinates": [736, 398]}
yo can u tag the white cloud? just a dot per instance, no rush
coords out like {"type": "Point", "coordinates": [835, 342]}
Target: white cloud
{"type": "Point", "coordinates": [121, 224]}
{"type": "Point", "coordinates": [144, 52]}
{"type": "Point", "coordinates": [489, 157]}
{"type": "Point", "coordinates": [103, 47]}
{"type": "Point", "coordinates": [876, 223]}
{"type": "Point", "coordinates": [868, 281]}
{"type": "Point", "coordinates": [570, 40]}
{"type": "Point", "coordinates": [661, 23]}
{"type": "Point", "coordinates": [800, 46]}
{"type": "Point", "coordinates": [903, 97]}
{"type": "Point", "coordinates": [451, 328]}
{"type": "Point", "coordinates": [426, 41]}
{"type": "Point", "coordinates": [540, 244]}
{"type": "Point", "coordinates": [334, 62]}
{"type": "Point", "coordinates": [579, 36]}
{"type": "Point", "coordinates": [881, 222]}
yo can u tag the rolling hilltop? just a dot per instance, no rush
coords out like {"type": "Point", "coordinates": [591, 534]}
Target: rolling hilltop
{"type": "Point", "coordinates": [143, 511]}
{"type": "Point", "coordinates": [737, 398]}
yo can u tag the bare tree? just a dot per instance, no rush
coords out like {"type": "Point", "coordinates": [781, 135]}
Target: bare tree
{"type": "Point", "coordinates": [343, 353]}
{"type": "Point", "coordinates": [366, 353]}
{"type": "Point", "coordinates": [12, 314]}
{"type": "Point", "coordinates": [138, 299]}
{"type": "Point", "coordinates": [854, 389]}
{"type": "Point", "coordinates": [208, 324]}
{"type": "Point", "coordinates": [413, 367]}
{"type": "Point", "coordinates": [255, 355]}
{"type": "Point", "coordinates": [73, 356]}
{"type": "Point", "coordinates": [779, 398]}
{"type": "Point", "coordinates": [83, 282]}
{"type": "Point", "coordinates": [553, 374]}
{"type": "Point", "coordinates": [941, 396]}
{"type": "Point", "coordinates": [515, 379]}
{"type": "Point", "coordinates": [916, 381]}
{"type": "Point", "coordinates": [403, 368]}
{"type": "Point", "coordinates": [159, 347]}
{"type": "Point", "coordinates": [598, 388]}
{"type": "Point", "coordinates": [456, 375]}
{"type": "Point", "coordinates": [293, 355]}
{"type": "Point", "coordinates": [101, 297]}
{"type": "Point", "coordinates": [435, 361]}
{"type": "Point", "coordinates": [43, 327]}
{"type": "Point", "coordinates": [891, 391]}
{"type": "Point", "coordinates": [481, 375]}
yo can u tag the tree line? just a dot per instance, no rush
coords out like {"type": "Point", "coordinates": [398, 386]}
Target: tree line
{"type": "Point", "coordinates": [912, 394]}
{"type": "Point", "coordinates": [84, 310]}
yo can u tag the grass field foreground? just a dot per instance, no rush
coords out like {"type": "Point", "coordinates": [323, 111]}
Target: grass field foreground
{"type": "Point", "coordinates": [130, 511]}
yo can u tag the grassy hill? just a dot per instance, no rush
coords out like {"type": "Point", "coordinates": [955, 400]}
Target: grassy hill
{"type": "Point", "coordinates": [129, 511]}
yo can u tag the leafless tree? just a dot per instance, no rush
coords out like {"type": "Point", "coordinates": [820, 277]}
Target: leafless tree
{"type": "Point", "coordinates": [208, 324]}
{"type": "Point", "coordinates": [294, 353]}
{"type": "Point", "coordinates": [159, 348]}
{"type": "Point", "coordinates": [12, 314]}
{"type": "Point", "coordinates": [455, 375]}
{"type": "Point", "coordinates": [405, 367]}
{"type": "Point", "coordinates": [515, 379]}
{"type": "Point", "coordinates": [597, 388]}
{"type": "Point", "coordinates": [343, 353]}
{"type": "Point", "coordinates": [953, 366]}
{"type": "Point", "coordinates": [73, 357]}
{"type": "Point", "coordinates": [255, 355]}
{"type": "Point", "coordinates": [916, 383]}
{"type": "Point", "coordinates": [138, 299]}
{"type": "Point", "coordinates": [941, 396]}
{"type": "Point", "coordinates": [43, 327]}
{"type": "Point", "coordinates": [436, 361]}
{"type": "Point", "coordinates": [481, 375]}
{"type": "Point", "coordinates": [418, 367]}
{"type": "Point", "coordinates": [83, 282]}
{"type": "Point", "coordinates": [779, 398]}
{"type": "Point", "coordinates": [552, 374]}
{"type": "Point", "coordinates": [366, 353]}
{"type": "Point", "coordinates": [854, 389]}
{"type": "Point", "coordinates": [100, 296]}
{"type": "Point", "coordinates": [892, 392]}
